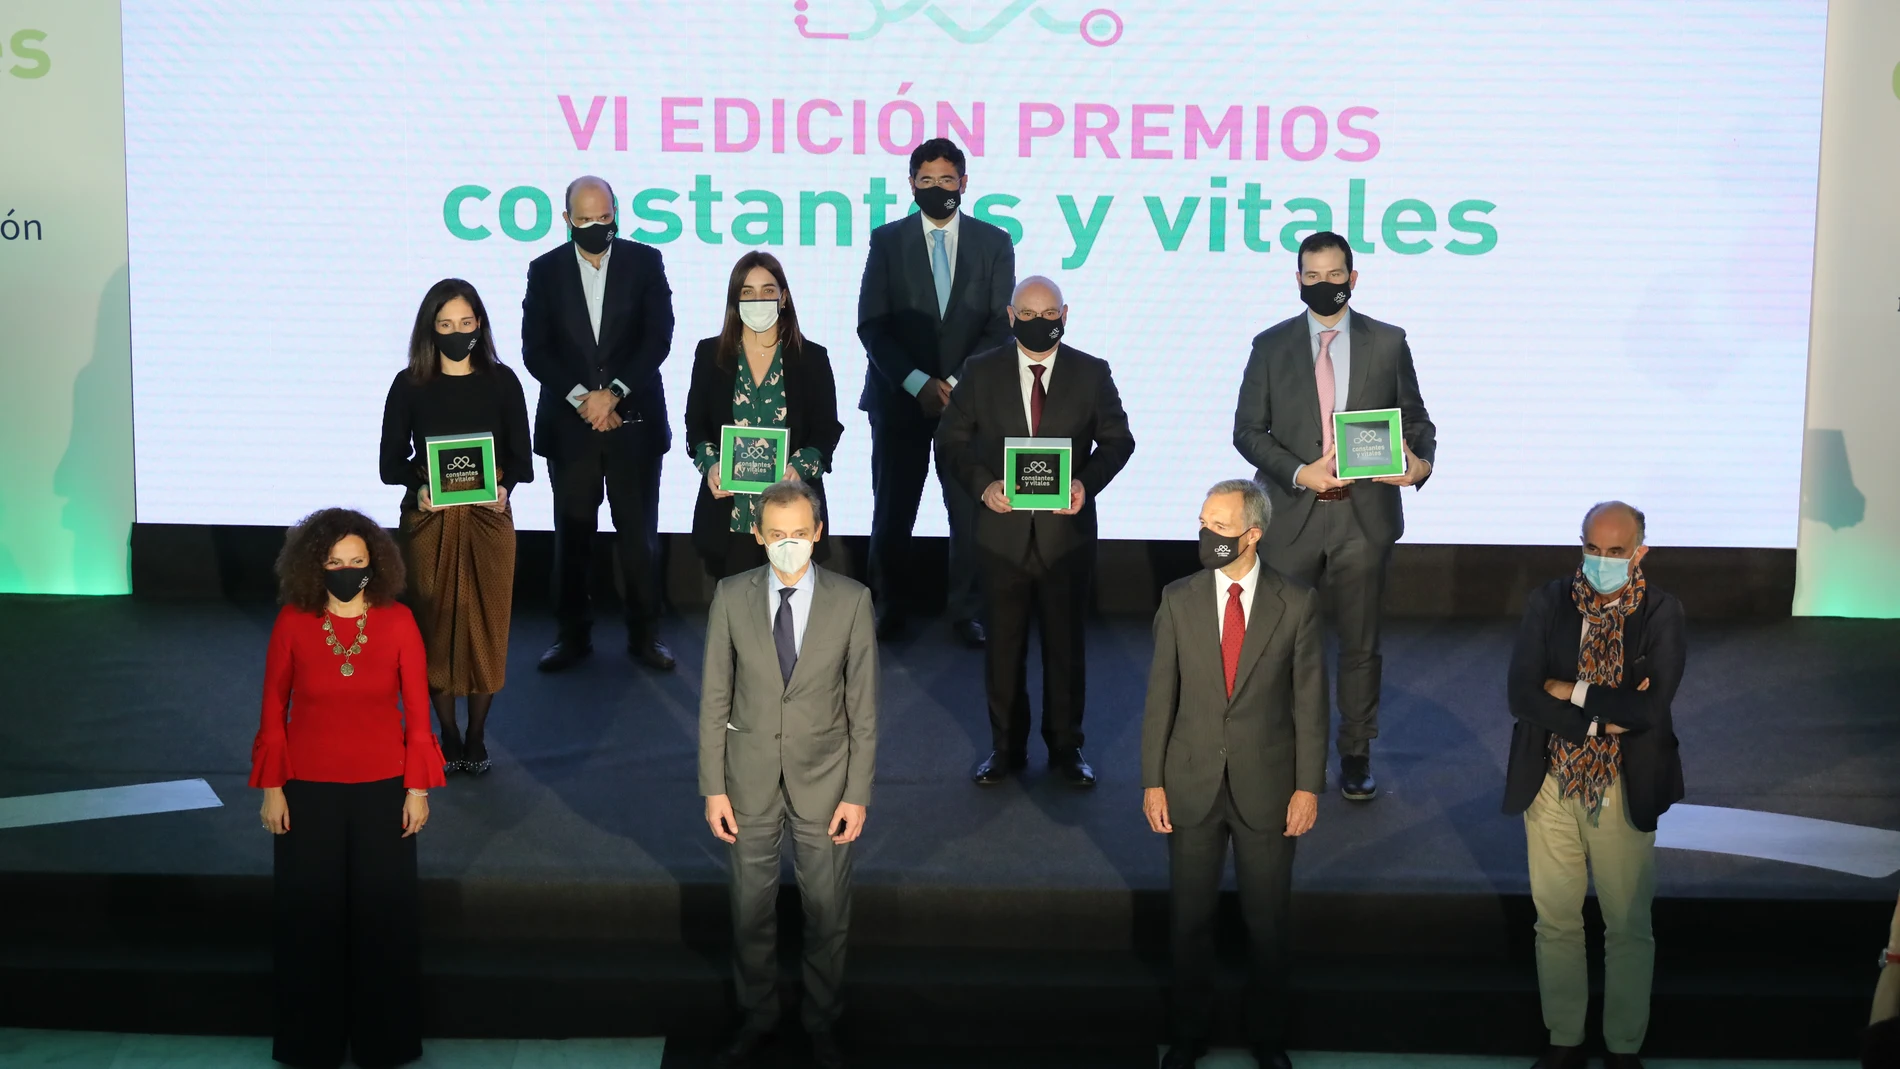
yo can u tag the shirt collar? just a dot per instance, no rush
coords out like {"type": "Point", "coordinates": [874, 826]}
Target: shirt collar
{"type": "Point", "coordinates": [604, 257]}
{"type": "Point", "coordinates": [1247, 582]}
{"type": "Point", "coordinates": [951, 226]}
{"type": "Point", "coordinates": [1023, 362]}
{"type": "Point", "coordinates": [1314, 326]}
{"type": "Point", "coordinates": [804, 582]}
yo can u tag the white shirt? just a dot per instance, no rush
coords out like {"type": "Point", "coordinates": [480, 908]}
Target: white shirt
{"type": "Point", "coordinates": [1023, 364]}
{"type": "Point", "coordinates": [594, 290]}
{"type": "Point", "coordinates": [1247, 583]}
{"type": "Point", "coordinates": [800, 601]}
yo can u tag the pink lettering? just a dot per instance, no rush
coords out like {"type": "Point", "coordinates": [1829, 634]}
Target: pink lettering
{"type": "Point", "coordinates": [723, 141]}
{"type": "Point", "coordinates": [1086, 131]}
{"type": "Point", "coordinates": [583, 134]}
{"type": "Point", "coordinates": [1346, 128]}
{"type": "Point", "coordinates": [1199, 133]}
{"type": "Point", "coordinates": [950, 124]}
{"type": "Point", "coordinates": [671, 124]}
{"type": "Point", "coordinates": [1139, 131]}
{"type": "Point", "coordinates": [1028, 129]}
{"type": "Point", "coordinates": [805, 140]}
{"type": "Point", "coordinates": [620, 124]}
{"type": "Point", "coordinates": [1289, 133]}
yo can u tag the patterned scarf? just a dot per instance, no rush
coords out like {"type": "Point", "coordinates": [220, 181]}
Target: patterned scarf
{"type": "Point", "coordinates": [1588, 769]}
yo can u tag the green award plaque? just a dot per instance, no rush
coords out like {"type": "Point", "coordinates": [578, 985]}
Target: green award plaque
{"type": "Point", "coordinates": [461, 469]}
{"type": "Point", "coordinates": [1369, 443]}
{"type": "Point", "coordinates": [751, 458]}
{"type": "Point", "coordinates": [1036, 473]}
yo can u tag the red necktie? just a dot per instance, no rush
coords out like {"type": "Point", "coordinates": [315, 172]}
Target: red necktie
{"type": "Point", "coordinates": [1233, 632]}
{"type": "Point", "coordinates": [1036, 397]}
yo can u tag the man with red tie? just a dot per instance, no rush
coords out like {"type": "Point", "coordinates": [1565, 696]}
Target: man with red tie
{"type": "Point", "coordinates": [1233, 748]}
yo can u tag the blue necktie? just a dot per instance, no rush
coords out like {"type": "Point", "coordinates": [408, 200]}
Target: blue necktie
{"type": "Point", "coordinates": [782, 633]}
{"type": "Point", "coordinates": [940, 267]}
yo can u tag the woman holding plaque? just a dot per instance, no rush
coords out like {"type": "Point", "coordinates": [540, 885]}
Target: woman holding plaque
{"type": "Point", "coordinates": [462, 556]}
{"type": "Point", "coordinates": [758, 372]}
{"type": "Point", "coordinates": [345, 758]}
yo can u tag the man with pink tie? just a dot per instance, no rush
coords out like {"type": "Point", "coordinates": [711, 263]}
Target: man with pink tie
{"type": "Point", "coordinates": [1328, 531]}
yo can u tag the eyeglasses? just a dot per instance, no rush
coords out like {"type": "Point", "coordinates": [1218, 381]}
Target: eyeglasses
{"type": "Point", "coordinates": [948, 181]}
{"type": "Point", "coordinates": [1051, 314]}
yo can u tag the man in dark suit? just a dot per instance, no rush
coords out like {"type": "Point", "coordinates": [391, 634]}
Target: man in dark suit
{"type": "Point", "coordinates": [1593, 764]}
{"type": "Point", "coordinates": [935, 286]}
{"type": "Point", "coordinates": [1035, 562]}
{"type": "Point", "coordinates": [1233, 747]}
{"type": "Point", "coordinates": [596, 325]}
{"type": "Point", "coordinates": [1325, 360]}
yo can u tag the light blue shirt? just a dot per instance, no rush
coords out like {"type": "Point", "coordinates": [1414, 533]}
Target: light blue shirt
{"type": "Point", "coordinates": [800, 601]}
{"type": "Point", "coordinates": [914, 381]}
{"type": "Point", "coordinates": [1341, 352]}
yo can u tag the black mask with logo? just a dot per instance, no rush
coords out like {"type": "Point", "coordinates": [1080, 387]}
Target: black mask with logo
{"type": "Point", "coordinates": [937, 203]}
{"type": "Point", "coordinates": [345, 583]}
{"type": "Point", "coordinates": [594, 238]}
{"type": "Point", "coordinates": [1218, 550]}
{"type": "Point", "coordinates": [1325, 298]}
{"type": "Point", "coordinates": [457, 345]}
{"type": "Point", "coordinates": [1038, 335]}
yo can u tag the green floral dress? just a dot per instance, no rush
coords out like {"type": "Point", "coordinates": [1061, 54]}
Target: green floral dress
{"type": "Point", "coordinates": [760, 404]}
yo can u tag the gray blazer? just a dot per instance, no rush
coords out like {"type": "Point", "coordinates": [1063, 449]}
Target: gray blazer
{"type": "Point", "coordinates": [1277, 424]}
{"type": "Point", "coordinates": [1270, 739]}
{"type": "Point", "coordinates": [817, 733]}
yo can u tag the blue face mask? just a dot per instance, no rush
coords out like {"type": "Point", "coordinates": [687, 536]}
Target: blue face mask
{"type": "Point", "coordinates": [1607, 574]}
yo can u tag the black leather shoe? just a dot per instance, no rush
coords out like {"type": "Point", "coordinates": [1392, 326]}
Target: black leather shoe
{"type": "Point", "coordinates": [1073, 768]}
{"type": "Point", "coordinates": [1562, 1058]}
{"type": "Point", "coordinates": [1612, 1060]}
{"type": "Point", "coordinates": [970, 633]}
{"type": "Point", "coordinates": [890, 625]}
{"type": "Point", "coordinates": [738, 1053]}
{"type": "Point", "coordinates": [1182, 1054]}
{"type": "Point", "coordinates": [824, 1051]}
{"type": "Point", "coordinates": [565, 654]}
{"type": "Point", "coordinates": [1272, 1058]}
{"type": "Point", "coordinates": [652, 653]}
{"type": "Point", "coordinates": [1355, 779]}
{"type": "Point", "coordinates": [996, 768]}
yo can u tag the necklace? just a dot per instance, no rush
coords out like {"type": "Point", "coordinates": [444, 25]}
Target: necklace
{"type": "Point", "coordinates": [336, 647]}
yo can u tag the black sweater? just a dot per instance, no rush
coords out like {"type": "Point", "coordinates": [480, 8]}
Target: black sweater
{"type": "Point", "coordinates": [489, 401]}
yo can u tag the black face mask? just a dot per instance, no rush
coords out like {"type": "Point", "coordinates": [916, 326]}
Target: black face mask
{"type": "Point", "coordinates": [1325, 298]}
{"type": "Point", "coordinates": [937, 203]}
{"type": "Point", "coordinates": [595, 238]}
{"type": "Point", "coordinates": [457, 345]}
{"type": "Point", "coordinates": [345, 583]}
{"type": "Point", "coordinates": [1038, 335]}
{"type": "Point", "coordinates": [1218, 550]}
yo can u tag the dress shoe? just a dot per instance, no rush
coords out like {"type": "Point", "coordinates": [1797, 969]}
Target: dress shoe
{"type": "Point", "coordinates": [890, 625]}
{"type": "Point", "coordinates": [565, 654]}
{"type": "Point", "coordinates": [970, 633]}
{"type": "Point", "coordinates": [1562, 1058]}
{"type": "Point", "coordinates": [452, 761]}
{"type": "Point", "coordinates": [477, 762]}
{"type": "Point", "coordinates": [738, 1053]}
{"type": "Point", "coordinates": [824, 1051]}
{"type": "Point", "coordinates": [996, 768]}
{"type": "Point", "coordinates": [1272, 1058]}
{"type": "Point", "coordinates": [1183, 1053]}
{"type": "Point", "coordinates": [652, 653]}
{"type": "Point", "coordinates": [1355, 779]}
{"type": "Point", "coordinates": [1072, 767]}
{"type": "Point", "coordinates": [1613, 1060]}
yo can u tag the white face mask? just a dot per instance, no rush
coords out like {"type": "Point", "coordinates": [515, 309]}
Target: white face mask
{"type": "Point", "coordinates": [789, 555]}
{"type": "Point", "coordinates": [759, 315]}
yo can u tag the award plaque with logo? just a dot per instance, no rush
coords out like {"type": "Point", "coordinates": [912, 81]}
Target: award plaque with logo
{"type": "Point", "coordinates": [751, 458]}
{"type": "Point", "coordinates": [461, 469]}
{"type": "Point", "coordinates": [1036, 473]}
{"type": "Point", "coordinates": [1370, 443]}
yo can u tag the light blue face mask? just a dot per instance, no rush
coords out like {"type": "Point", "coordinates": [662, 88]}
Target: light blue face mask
{"type": "Point", "coordinates": [1607, 574]}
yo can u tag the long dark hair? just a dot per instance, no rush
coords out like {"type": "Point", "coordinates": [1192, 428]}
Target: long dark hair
{"type": "Point", "coordinates": [788, 336]}
{"type": "Point", "coordinates": [424, 362]}
{"type": "Point", "coordinates": [307, 546]}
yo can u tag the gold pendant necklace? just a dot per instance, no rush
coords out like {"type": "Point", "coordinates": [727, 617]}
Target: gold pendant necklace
{"type": "Point", "coordinates": [336, 647]}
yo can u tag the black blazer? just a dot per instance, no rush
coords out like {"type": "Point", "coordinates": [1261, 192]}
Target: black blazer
{"type": "Point", "coordinates": [898, 320]}
{"type": "Point", "coordinates": [1277, 424]}
{"type": "Point", "coordinates": [1082, 405]}
{"type": "Point", "coordinates": [811, 419]}
{"type": "Point", "coordinates": [558, 347]}
{"type": "Point", "coordinates": [1653, 649]}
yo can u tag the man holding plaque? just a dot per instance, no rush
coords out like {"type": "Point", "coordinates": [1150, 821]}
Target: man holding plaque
{"type": "Point", "coordinates": [1022, 415]}
{"type": "Point", "coordinates": [1332, 529]}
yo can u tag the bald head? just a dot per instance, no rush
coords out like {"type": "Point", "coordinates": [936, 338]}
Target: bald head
{"type": "Point", "coordinates": [1038, 291]}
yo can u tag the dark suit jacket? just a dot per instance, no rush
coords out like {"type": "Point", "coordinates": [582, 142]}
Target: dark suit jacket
{"type": "Point", "coordinates": [558, 347]}
{"type": "Point", "coordinates": [897, 309]}
{"type": "Point", "coordinates": [1269, 740]}
{"type": "Point", "coordinates": [1081, 405]}
{"type": "Point", "coordinates": [811, 419]}
{"type": "Point", "coordinates": [1653, 649]}
{"type": "Point", "coordinates": [1277, 423]}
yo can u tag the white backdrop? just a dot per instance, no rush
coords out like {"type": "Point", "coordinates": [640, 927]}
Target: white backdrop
{"type": "Point", "coordinates": [1611, 298]}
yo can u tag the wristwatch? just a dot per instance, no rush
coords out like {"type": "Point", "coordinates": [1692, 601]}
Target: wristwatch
{"type": "Point", "coordinates": [617, 390]}
{"type": "Point", "coordinates": [1889, 956]}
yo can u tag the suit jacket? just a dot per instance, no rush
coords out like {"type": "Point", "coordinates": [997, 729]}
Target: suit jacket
{"type": "Point", "coordinates": [898, 320]}
{"type": "Point", "coordinates": [558, 347]}
{"type": "Point", "coordinates": [1653, 649]}
{"type": "Point", "coordinates": [811, 419]}
{"type": "Point", "coordinates": [1277, 423]}
{"type": "Point", "coordinates": [1081, 405]}
{"type": "Point", "coordinates": [1269, 739]}
{"type": "Point", "coordinates": [817, 733]}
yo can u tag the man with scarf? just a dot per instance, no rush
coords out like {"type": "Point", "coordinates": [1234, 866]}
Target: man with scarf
{"type": "Point", "coordinates": [1593, 764]}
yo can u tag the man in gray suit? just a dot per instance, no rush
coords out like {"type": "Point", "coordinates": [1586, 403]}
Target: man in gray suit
{"type": "Point", "coordinates": [1233, 747]}
{"type": "Point", "coordinates": [788, 737]}
{"type": "Point", "coordinates": [1331, 359]}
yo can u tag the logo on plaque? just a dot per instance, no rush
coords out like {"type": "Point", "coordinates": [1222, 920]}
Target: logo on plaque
{"type": "Point", "coordinates": [1370, 445]}
{"type": "Point", "coordinates": [461, 470]}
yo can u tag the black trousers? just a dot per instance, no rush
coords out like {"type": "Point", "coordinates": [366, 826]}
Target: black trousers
{"type": "Point", "coordinates": [1263, 869]}
{"type": "Point", "coordinates": [632, 484]}
{"type": "Point", "coordinates": [349, 952]}
{"type": "Point", "coordinates": [900, 462]}
{"type": "Point", "coordinates": [1056, 595]}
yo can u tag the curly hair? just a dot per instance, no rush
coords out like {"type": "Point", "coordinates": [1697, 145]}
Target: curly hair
{"type": "Point", "coordinates": [307, 546]}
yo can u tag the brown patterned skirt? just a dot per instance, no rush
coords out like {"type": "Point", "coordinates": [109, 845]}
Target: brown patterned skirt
{"type": "Point", "coordinates": [462, 579]}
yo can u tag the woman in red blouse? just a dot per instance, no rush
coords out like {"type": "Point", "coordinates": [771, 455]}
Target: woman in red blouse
{"type": "Point", "coordinates": [346, 759]}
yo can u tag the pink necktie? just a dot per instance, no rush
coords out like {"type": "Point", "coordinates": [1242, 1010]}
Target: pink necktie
{"type": "Point", "coordinates": [1323, 377]}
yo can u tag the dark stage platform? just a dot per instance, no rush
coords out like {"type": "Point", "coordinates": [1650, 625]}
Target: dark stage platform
{"type": "Point", "coordinates": [575, 890]}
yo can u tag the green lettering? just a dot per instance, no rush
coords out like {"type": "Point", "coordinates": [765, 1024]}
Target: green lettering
{"type": "Point", "coordinates": [20, 49]}
{"type": "Point", "coordinates": [543, 213]}
{"type": "Point", "coordinates": [1394, 227]}
{"type": "Point", "coordinates": [1460, 220]}
{"type": "Point", "coordinates": [986, 210]}
{"type": "Point", "coordinates": [703, 199]}
{"type": "Point", "coordinates": [452, 212]}
{"type": "Point", "coordinates": [643, 209]}
{"type": "Point", "coordinates": [1251, 205]}
{"type": "Point", "coordinates": [1083, 234]}
{"type": "Point", "coordinates": [763, 227]}
{"type": "Point", "coordinates": [1171, 233]}
{"type": "Point", "coordinates": [1322, 220]}
{"type": "Point", "coordinates": [878, 201]}
{"type": "Point", "coordinates": [808, 203]}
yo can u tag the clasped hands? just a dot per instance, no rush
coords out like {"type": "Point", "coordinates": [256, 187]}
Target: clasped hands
{"type": "Point", "coordinates": [1302, 810]}
{"type": "Point", "coordinates": [599, 409]}
{"type": "Point", "coordinates": [847, 821]}
{"type": "Point", "coordinates": [997, 498]}
{"type": "Point", "coordinates": [1562, 690]}
{"type": "Point", "coordinates": [427, 503]}
{"type": "Point", "coordinates": [712, 480]}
